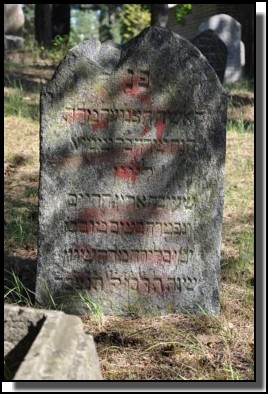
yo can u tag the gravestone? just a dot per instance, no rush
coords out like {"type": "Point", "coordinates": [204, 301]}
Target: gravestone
{"type": "Point", "coordinates": [131, 186]}
{"type": "Point", "coordinates": [214, 50]}
{"type": "Point", "coordinates": [13, 19]}
{"type": "Point", "coordinates": [228, 30]}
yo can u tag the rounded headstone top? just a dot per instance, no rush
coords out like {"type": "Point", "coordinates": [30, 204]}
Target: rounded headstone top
{"type": "Point", "coordinates": [213, 49]}
{"type": "Point", "coordinates": [226, 27]}
{"type": "Point", "coordinates": [172, 60]}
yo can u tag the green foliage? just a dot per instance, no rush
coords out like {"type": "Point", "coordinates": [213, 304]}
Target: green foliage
{"type": "Point", "coordinates": [181, 11]}
{"type": "Point", "coordinates": [28, 10]}
{"type": "Point", "coordinates": [240, 125]}
{"type": "Point", "coordinates": [134, 18]}
{"type": "Point", "coordinates": [243, 86]}
{"type": "Point", "coordinates": [60, 44]}
{"type": "Point", "coordinates": [115, 30]}
{"type": "Point", "coordinates": [93, 307]}
{"type": "Point", "coordinates": [84, 25]}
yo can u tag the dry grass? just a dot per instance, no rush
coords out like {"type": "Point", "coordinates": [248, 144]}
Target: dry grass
{"type": "Point", "coordinates": [179, 346]}
{"type": "Point", "coordinates": [21, 186]}
{"type": "Point", "coordinates": [172, 347]}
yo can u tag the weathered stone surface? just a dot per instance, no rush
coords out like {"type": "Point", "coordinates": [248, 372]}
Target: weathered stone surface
{"type": "Point", "coordinates": [48, 345]}
{"type": "Point", "coordinates": [228, 30]}
{"type": "Point", "coordinates": [214, 50]}
{"type": "Point", "coordinates": [131, 186]}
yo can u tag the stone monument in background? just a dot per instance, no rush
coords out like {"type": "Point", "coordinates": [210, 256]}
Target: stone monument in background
{"type": "Point", "coordinates": [228, 30]}
{"type": "Point", "coordinates": [132, 170]}
{"type": "Point", "coordinates": [214, 50]}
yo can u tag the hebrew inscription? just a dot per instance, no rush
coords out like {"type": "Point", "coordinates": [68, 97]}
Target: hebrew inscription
{"type": "Point", "coordinates": [131, 186]}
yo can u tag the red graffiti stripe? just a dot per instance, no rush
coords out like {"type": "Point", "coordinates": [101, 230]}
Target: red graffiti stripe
{"type": "Point", "coordinates": [127, 172]}
{"type": "Point", "coordinates": [160, 126]}
{"type": "Point", "coordinates": [145, 99]}
{"type": "Point", "coordinates": [102, 124]}
{"type": "Point", "coordinates": [123, 211]}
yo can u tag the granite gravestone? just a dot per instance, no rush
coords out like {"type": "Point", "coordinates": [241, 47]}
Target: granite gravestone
{"type": "Point", "coordinates": [214, 50]}
{"type": "Point", "coordinates": [228, 30]}
{"type": "Point", "coordinates": [131, 186]}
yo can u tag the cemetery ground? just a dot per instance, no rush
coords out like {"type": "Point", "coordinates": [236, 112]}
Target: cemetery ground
{"type": "Point", "coordinates": [173, 347]}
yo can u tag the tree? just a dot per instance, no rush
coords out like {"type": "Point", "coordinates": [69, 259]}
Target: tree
{"type": "Point", "coordinates": [134, 18]}
{"type": "Point", "coordinates": [43, 24]}
{"type": "Point", "coordinates": [61, 15]}
{"type": "Point", "coordinates": [159, 15]}
{"type": "Point", "coordinates": [247, 20]}
{"type": "Point", "coordinates": [51, 20]}
{"type": "Point", "coordinates": [105, 22]}
{"type": "Point", "coordinates": [181, 11]}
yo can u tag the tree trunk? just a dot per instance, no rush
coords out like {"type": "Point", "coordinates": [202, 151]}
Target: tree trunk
{"type": "Point", "coordinates": [61, 15]}
{"type": "Point", "coordinates": [105, 24]}
{"type": "Point", "coordinates": [159, 15]}
{"type": "Point", "coordinates": [43, 24]}
{"type": "Point", "coordinates": [248, 36]}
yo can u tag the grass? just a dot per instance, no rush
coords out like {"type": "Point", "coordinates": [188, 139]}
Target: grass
{"type": "Point", "coordinates": [240, 126]}
{"type": "Point", "coordinates": [21, 134]}
{"type": "Point", "coordinates": [241, 107]}
{"type": "Point", "coordinates": [94, 308]}
{"type": "Point", "coordinates": [181, 346]}
{"type": "Point", "coordinates": [172, 347]}
{"type": "Point", "coordinates": [15, 290]}
{"type": "Point", "coordinates": [18, 104]}
{"type": "Point", "coordinates": [241, 87]}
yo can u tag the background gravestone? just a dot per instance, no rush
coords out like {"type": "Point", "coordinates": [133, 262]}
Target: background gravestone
{"type": "Point", "coordinates": [214, 50]}
{"type": "Point", "coordinates": [13, 19]}
{"type": "Point", "coordinates": [13, 24]}
{"type": "Point", "coordinates": [228, 30]}
{"type": "Point", "coordinates": [131, 187]}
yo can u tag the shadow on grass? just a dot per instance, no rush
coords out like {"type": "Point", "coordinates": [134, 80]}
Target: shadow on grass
{"type": "Point", "coordinates": [26, 77]}
{"type": "Point", "coordinates": [21, 220]}
{"type": "Point", "coordinates": [239, 100]}
{"type": "Point", "coordinates": [236, 270]}
{"type": "Point", "coordinates": [115, 338]}
{"type": "Point", "coordinates": [25, 271]}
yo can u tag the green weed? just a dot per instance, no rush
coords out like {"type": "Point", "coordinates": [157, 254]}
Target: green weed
{"type": "Point", "coordinates": [240, 125]}
{"type": "Point", "coordinates": [93, 307]}
{"type": "Point", "coordinates": [21, 229]}
{"type": "Point", "coordinates": [54, 303]}
{"type": "Point", "coordinates": [15, 292]}
{"type": "Point", "coordinates": [243, 86]}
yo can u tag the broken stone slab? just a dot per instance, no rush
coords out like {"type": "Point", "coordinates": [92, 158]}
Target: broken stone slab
{"type": "Point", "coordinates": [47, 345]}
